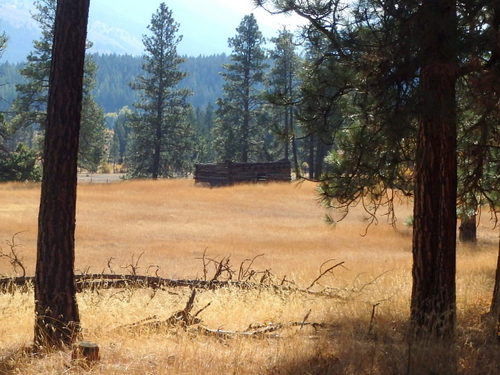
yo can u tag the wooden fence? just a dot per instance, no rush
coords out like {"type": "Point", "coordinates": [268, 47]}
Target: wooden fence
{"type": "Point", "coordinates": [229, 173]}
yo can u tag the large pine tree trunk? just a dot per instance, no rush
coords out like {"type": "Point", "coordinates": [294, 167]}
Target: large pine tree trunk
{"type": "Point", "coordinates": [246, 134]}
{"type": "Point", "coordinates": [294, 146]}
{"type": "Point", "coordinates": [158, 136]}
{"type": "Point", "coordinates": [495, 303]}
{"type": "Point", "coordinates": [287, 135]}
{"type": "Point", "coordinates": [155, 168]}
{"type": "Point", "coordinates": [433, 312]}
{"type": "Point", "coordinates": [245, 129]}
{"type": "Point", "coordinates": [56, 311]}
{"type": "Point", "coordinates": [321, 151]}
{"type": "Point", "coordinates": [311, 163]}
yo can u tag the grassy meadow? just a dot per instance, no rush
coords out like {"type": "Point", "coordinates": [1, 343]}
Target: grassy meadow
{"type": "Point", "coordinates": [169, 224]}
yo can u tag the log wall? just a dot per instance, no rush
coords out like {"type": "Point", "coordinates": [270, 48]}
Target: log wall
{"type": "Point", "coordinates": [229, 173]}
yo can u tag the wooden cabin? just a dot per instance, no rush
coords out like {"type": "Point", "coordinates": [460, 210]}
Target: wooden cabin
{"type": "Point", "coordinates": [229, 173]}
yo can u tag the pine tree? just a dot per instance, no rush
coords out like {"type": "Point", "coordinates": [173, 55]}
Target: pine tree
{"type": "Point", "coordinates": [30, 105]}
{"type": "Point", "coordinates": [204, 120]}
{"type": "Point", "coordinates": [121, 132]}
{"type": "Point", "coordinates": [407, 71]}
{"type": "Point", "coordinates": [411, 58]}
{"type": "Point", "coordinates": [282, 83]}
{"type": "Point", "coordinates": [93, 129]}
{"type": "Point", "coordinates": [237, 134]}
{"type": "Point", "coordinates": [20, 163]}
{"type": "Point", "coordinates": [161, 138]}
{"type": "Point", "coordinates": [3, 45]}
{"type": "Point", "coordinates": [57, 318]}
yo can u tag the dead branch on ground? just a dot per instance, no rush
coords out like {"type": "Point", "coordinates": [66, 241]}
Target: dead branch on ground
{"type": "Point", "coordinates": [224, 276]}
{"type": "Point", "coordinates": [184, 319]}
{"type": "Point", "coordinates": [261, 331]}
{"type": "Point", "coordinates": [12, 256]}
{"type": "Point", "coordinates": [324, 272]}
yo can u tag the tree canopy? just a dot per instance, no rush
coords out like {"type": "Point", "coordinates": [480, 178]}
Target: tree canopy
{"type": "Point", "coordinates": [161, 137]}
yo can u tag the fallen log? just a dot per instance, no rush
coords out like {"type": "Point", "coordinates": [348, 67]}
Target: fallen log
{"type": "Point", "coordinates": [184, 319]}
{"type": "Point", "coordinates": [260, 331]}
{"type": "Point", "coordinates": [109, 281]}
{"type": "Point", "coordinates": [181, 318]}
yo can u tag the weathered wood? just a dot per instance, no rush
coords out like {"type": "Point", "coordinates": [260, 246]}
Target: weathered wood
{"type": "Point", "coordinates": [109, 281]}
{"type": "Point", "coordinates": [85, 351]}
{"type": "Point", "coordinates": [467, 231]}
{"type": "Point", "coordinates": [261, 331]}
{"type": "Point", "coordinates": [229, 173]}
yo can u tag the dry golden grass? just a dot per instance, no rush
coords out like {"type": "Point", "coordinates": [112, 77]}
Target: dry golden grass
{"type": "Point", "coordinates": [174, 222]}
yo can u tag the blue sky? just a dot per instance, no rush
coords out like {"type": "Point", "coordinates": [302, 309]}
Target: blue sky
{"type": "Point", "coordinates": [118, 26]}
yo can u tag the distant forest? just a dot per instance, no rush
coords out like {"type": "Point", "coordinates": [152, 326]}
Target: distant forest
{"type": "Point", "coordinates": [115, 72]}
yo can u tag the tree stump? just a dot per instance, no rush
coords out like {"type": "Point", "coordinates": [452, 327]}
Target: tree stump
{"type": "Point", "coordinates": [85, 351]}
{"type": "Point", "coordinates": [467, 231]}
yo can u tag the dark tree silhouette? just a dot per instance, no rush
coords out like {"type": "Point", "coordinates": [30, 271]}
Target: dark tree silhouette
{"type": "Point", "coordinates": [495, 302]}
{"type": "Point", "coordinates": [56, 311]}
{"type": "Point", "coordinates": [434, 231]}
{"type": "Point", "coordinates": [408, 52]}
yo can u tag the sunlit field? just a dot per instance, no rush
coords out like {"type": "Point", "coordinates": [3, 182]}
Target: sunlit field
{"type": "Point", "coordinates": [165, 227]}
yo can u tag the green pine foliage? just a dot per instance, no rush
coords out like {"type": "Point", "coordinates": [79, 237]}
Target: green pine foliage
{"type": "Point", "coordinates": [203, 78]}
{"type": "Point", "coordinates": [119, 123]}
{"type": "Point", "coordinates": [282, 94]}
{"type": "Point", "coordinates": [19, 165]}
{"type": "Point", "coordinates": [203, 120]}
{"type": "Point", "coordinates": [30, 104]}
{"type": "Point", "coordinates": [115, 72]}
{"type": "Point", "coordinates": [31, 101]}
{"type": "Point", "coordinates": [113, 75]}
{"type": "Point", "coordinates": [93, 139]}
{"type": "Point", "coordinates": [237, 134]}
{"type": "Point", "coordinates": [3, 43]}
{"type": "Point", "coordinates": [161, 139]}
{"type": "Point", "coordinates": [323, 110]}
{"type": "Point", "coordinates": [9, 77]}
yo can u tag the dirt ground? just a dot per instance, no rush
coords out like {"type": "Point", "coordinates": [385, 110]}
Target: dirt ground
{"type": "Point", "coordinates": [99, 178]}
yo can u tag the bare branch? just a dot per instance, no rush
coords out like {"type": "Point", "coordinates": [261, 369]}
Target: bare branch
{"type": "Point", "coordinates": [12, 256]}
{"type": "Point", "coordinates": [323, 274]}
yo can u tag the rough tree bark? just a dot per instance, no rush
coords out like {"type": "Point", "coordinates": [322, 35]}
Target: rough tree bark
{"type": "Point", "coordinates": [495, 22]}
{"type": "Point", "coordinates": [56, 311]}
{"type": "Point", "coordinates": [155, 171]}
{"type": "Point", "coordinates": [245, 127]}
{"type": "Point", "coordinates": [433, 311]}
{"type": "Point", "coordinates": [495, 303]}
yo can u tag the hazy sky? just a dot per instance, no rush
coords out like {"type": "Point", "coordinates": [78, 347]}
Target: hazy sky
{"type": "Point", "coordinates": [117, 26]}
{"type": "Point", "coordinates": [205, 24]}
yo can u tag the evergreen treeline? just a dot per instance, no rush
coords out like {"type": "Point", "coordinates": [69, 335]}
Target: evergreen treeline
{"type": "Point", "coordinates": [113, 77]}
{"type": "Point", "coordinates": [9, 76]}
{"type": "Point", "coordinates": [203, 78]}
{"type": "Point", "coordinates": [116, 72]}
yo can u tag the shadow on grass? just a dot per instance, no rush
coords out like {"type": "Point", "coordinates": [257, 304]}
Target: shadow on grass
{"type": "Point", "coordinates": [387, 351]}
